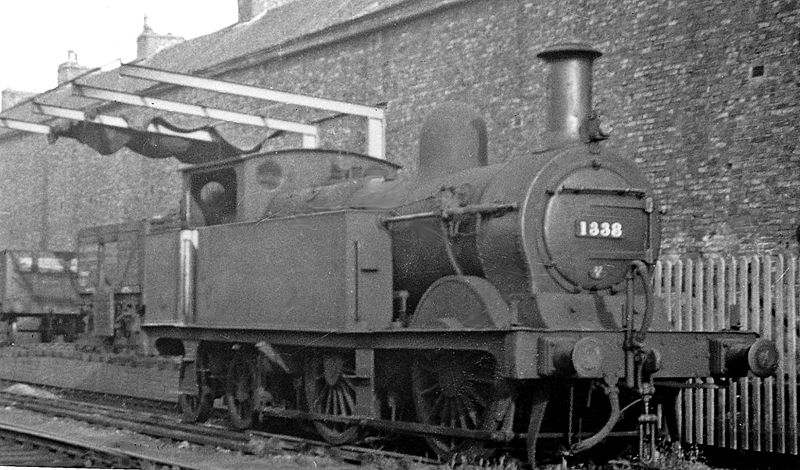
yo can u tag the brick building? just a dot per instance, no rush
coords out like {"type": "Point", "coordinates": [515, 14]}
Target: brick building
{"type": "Point", "coordinates": [703, 94]}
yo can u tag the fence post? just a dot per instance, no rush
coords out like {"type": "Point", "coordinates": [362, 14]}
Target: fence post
{"type": "Point", "coordinates": [708, 325]}
{"type": "Point", "coordinates": [697, 323]}
{"type": "Point", "coordinates": [780, 381]}
{"type": "Point", "coordinates": [755, 293]}
{"type": "Point", "coordinates": [744, 386]}
{"type": "Point", "coordinates": [721, 323]}
{"type": "Point", "coordinates": [791, 351]}
{"type": "Point", "coordinates": [754, 324]}
{"type": "Point", "coordinates": [766, 332]}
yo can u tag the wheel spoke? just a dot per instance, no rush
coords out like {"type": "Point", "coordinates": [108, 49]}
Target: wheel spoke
{"type": "Point", "coordinates": [329, 401]}
{"type": "Point", "coordinates": [348, 387]}
{"type": "Point", "coordinates": [475, 397]}
{"type": "Point", "coordinates": [350, 401]}
{"type": "Point", "coordinates": [445, 413]}
{"type": "Point", "coordinates": [462, 414]}
{"type": "Point", "coordinates": [338, 408]}
{"type": "Point", "coordinates": [240, 390]}
{"type": "Point", "coordinates": [337, 398]}
{"type": "Point", "coordinates": [482, 380]}
{"type": "Point", "coordinates": [453, 413]}
{"type": "Point", "coordinates": [438, 407]}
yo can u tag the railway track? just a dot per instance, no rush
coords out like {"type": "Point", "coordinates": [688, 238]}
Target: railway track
{"type": "Point", "coordinates": [170, 427]}
{"type": "Point", "coordinates": [16, 449]}
{"type": "Point", "coordinates": [26, 447]}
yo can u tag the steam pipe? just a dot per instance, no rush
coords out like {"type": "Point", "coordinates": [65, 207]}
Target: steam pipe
{"type": "Point", "coordinates": [641, 270]}
{"type": "Point", "coordinates": [588, 443]}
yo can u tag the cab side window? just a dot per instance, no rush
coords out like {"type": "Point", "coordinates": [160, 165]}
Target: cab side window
{"type": "Point", "coordinates": [214, 192]}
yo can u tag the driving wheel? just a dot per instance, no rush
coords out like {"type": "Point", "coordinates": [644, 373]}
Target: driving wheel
{"type": "Point", "coordinates": [329, 390]}
{"type": "Point", "coordinates": [241, 390]}
{"type": "Point", "coordinates": [196, 408]}
{"type": "Point", "coordinates": [460, 390]}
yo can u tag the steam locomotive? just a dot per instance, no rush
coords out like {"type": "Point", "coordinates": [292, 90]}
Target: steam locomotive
{"type": "Point", "coordinates": [469, 302]}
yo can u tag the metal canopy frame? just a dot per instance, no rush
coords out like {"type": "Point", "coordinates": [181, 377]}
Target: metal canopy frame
{"type": "Point", "coordinates": [309, 133]}
{"type": "Point", "coordinates": [25, 126]}
{"type": "Point", "coordinates": [376, 117]}
{"type": "Point", "coordinates": [115, 121]}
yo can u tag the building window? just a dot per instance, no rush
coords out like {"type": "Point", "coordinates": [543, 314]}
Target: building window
{"type": "Point", "coordinates": [756, 71]}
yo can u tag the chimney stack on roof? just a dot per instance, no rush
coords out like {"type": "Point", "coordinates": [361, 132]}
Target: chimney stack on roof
{"type": "Point", "coordinates": [150, 42]}
{"type": "Point", "coordinates": [70, 69]}
{"type": "Point", "coordinates": [249, 9]}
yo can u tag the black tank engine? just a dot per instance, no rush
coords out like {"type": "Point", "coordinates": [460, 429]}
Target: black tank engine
{"type": "Point", "coordinates": [460, 302]}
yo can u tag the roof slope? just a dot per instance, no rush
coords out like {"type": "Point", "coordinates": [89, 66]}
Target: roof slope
{"type": "Point", "coordinates": [271, 28]}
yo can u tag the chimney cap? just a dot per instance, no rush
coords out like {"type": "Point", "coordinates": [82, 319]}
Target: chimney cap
{"type": "Point", "coordinates": [558, 51]}
{"type": "Point", "coordinates": [146, 27]}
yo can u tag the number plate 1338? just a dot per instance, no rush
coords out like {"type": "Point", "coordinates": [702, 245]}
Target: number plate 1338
{"type": "Point", "coordinates": [598, 229]}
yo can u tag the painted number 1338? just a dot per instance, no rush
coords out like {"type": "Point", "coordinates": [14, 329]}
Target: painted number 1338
{"type": "Point", "coordinates": [599, 229]}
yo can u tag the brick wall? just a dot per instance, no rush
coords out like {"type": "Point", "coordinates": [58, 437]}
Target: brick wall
{"type": "Point", "coordinates": [675, 82]}
{"type": "Point", "coordinates": [50, 191]}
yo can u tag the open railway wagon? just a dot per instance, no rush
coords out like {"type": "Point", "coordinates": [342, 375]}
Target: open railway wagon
{"type": "Point", "coordinates": [110, 262]}
{"type": "Point", "coordinates": [478, 305]}
{"type": "Point", "coordinates": [38, 297]}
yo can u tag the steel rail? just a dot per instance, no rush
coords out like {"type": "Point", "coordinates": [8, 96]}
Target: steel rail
{"type": "Point", "coordinates": [162, 426]}
{"type": "Point", "coordinates": [135, 426]}
{"type": "Point", "coordinates": [112, 454]}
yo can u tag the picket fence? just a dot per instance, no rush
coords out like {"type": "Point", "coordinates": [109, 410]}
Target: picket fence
{"type": "Point", "coordinates": [758, 293]}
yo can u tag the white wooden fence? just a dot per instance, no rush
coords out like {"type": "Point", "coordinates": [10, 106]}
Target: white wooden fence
{"type": "Point", "coordinates": [758, 293]}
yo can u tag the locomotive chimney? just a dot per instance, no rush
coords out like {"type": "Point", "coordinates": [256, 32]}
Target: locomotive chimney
{"type": "Point", "coordinates": [569, 88]}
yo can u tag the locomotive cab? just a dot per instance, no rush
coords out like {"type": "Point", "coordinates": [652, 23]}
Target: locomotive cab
{"type": "Point", "coordinates": [240, 189]}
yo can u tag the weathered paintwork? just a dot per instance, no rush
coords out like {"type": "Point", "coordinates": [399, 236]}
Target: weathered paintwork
{"type": "Point", "coordinates": [38, 296]}
{"type": "Point", "coordinates": [38, 282]}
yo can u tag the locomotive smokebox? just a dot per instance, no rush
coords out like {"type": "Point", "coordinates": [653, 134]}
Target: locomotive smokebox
{"type": "Point", "coordinates": [569, 91]}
